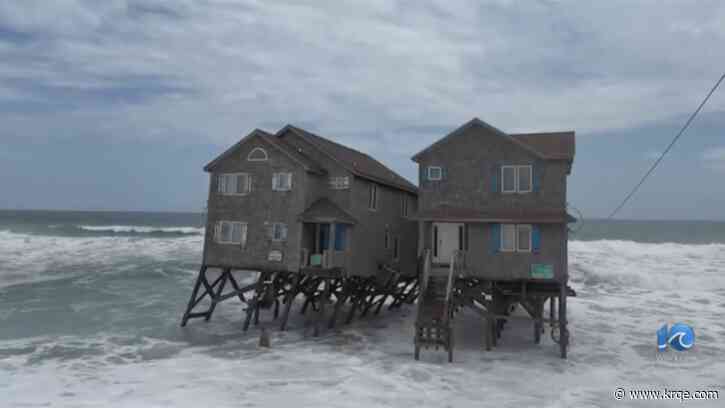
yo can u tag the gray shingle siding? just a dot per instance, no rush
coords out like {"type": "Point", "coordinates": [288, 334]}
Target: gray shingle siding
{"type": "Point", "coordinates": [259, 209]}
{"type": "Point", "coordinates": [264, 206]}
{"type": "Point", "coordinates": [471, 163]}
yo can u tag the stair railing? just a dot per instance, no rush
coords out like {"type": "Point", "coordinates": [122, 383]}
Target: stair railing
{"type": "Point", "coordinates": [424, 277]}
{"type": "Point", "coordinates": [449, 284]}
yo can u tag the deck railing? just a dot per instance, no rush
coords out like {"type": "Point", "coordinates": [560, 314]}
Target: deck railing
{"type": "Point", "coordinates": [456, 267]}
{"type": "Point", "coordinates": [326, 260]}
{"type": "Point", "coordinates": [424, 276]}
{"type": "Point", "coordinates": [335, 259]}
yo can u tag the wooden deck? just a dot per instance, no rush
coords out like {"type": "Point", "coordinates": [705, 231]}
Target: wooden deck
{"type": "Point", "coordinates": [446, 289]}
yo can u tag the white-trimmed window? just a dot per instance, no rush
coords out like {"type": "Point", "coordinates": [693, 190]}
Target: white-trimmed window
{"type": "Point", "coordinates": [231, 232]}
{"type": "Point", "coordinates": [279, 231]}
{"type": "Point", "coordinates": [234, 184]}
{"type": "Point", "coordinates": [282, 181]}
{"type": "Point", "coordinates": [435, 173]}
{"type": "Point", "coordinates": [340, 183]}
{"type": "Point", "coordinates": [404, 205]}
{"type": "Point", "coordinates": [516, 238]}
{"type": "Point", "coordinates": [516, 179]}
{"type": "Point", "coordinates": [257, 154]}
{"type": "Point", "coordinates": [373, 197]}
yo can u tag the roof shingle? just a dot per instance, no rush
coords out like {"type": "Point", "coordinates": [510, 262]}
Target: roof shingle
{"type": "Point", "coordinates": [551, 145]}
{"type": "Point", "coordinates": [324, 210]}
{"type": "Point", "coordinates": [357, 162]}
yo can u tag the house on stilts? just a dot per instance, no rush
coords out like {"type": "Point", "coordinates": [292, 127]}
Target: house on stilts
{"type": "Point", "coordinates": [493, 231]}
{"type": "Point", "coordinates": [486, 229]}
{"type": "Point", "coordinates": [311, 218]}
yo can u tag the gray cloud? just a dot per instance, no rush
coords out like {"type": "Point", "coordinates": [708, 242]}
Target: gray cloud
{"type": "Point", "coordinates": [387, 77]}
{"type": "Point", "coordinates": [714, 158]}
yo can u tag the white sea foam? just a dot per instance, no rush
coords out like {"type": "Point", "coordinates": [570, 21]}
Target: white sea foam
{"type": "Point", "coordinates": [644, 266]}
{"type": "Point", "coordinates": [140, 229]}
{"type": "Point", "coordinates": [626, 291]}
{"type": "Point", "coordinates": [29, 258]}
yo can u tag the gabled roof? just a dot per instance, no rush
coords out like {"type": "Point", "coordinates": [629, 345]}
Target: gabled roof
{"type": "Point", "coordinates": [358, 163]}
{"type": "Point", "coordinates": [552, 145]}
{"type": "Point", "coordinates": [555, 145]}
{"type": "Point", "coordinates": [324, 210]}
{"type": "Point", "coordinates": [275, 142]}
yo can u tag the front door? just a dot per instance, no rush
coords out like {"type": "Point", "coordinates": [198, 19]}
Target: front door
{"type": "Point", "coordinates": [445, 241]}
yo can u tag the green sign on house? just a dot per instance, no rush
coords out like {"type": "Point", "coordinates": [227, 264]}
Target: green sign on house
{"type": "Point", "coordinates": [541, 271]}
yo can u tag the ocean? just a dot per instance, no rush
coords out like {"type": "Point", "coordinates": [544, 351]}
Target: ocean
{"type": "Point", "coordinates": [90, 306]}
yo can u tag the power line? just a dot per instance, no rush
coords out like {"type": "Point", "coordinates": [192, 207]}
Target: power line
{"type": "Point", "coordinates": [672, 143]}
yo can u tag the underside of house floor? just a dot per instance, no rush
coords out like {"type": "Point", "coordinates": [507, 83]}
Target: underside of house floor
{"type": "Point", "coordinates": [328, 298]}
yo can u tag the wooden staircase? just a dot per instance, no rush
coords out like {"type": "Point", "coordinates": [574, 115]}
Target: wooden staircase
{"type": "Point", "coordinates": [433, 325]}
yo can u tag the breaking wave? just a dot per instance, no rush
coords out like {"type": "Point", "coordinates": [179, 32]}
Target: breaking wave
{"type": "Point", "coordinates": [30, 258]}
{"type": "Point", "coordinates": [140, 230]}
{"type": "Point", "coordinates": [612, 264]}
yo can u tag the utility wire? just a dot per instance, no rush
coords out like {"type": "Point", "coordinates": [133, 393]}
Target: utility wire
{"type": "Point", "coordinates": [672, 143]}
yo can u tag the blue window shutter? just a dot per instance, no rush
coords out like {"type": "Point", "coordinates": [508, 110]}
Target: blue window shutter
{"type": "Point", "coordinates": [495, 240]}
{"type": "Point", "coordinates": [535, 238]}
{"type": "Point", "coordinates": [536, 177]}
{"type": "Point", "coordinates": [340, 238]}
{"type": "Point", "coordinates": [495, 170]}
{"type": "Point", "coordinates": [424, 174]}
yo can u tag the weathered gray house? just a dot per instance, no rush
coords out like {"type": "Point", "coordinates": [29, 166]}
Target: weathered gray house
{"type": "Point", "coordinates": [494, 205]}
{"type": "Point", "coordinates": [295, 202]}
{"type": "Point", "coordinates": [486, 229]}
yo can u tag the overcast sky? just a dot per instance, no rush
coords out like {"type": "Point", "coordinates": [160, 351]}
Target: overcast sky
{"type": "Point", "coordinates": [117, 104]}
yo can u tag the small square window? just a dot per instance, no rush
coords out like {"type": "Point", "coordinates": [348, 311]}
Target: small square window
{"type": "Point", "coordinates": [282, 181]}
{"type": "Point", "coordinates": [279, 231]}
{"type": "Point", "coordinates": [340, 183]}
{"type": "Point", "coordinates": [435, 173]}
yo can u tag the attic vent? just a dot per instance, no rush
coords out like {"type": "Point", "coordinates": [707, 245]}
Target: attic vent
{"type": "Point", "coordinates": [257, 154]}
